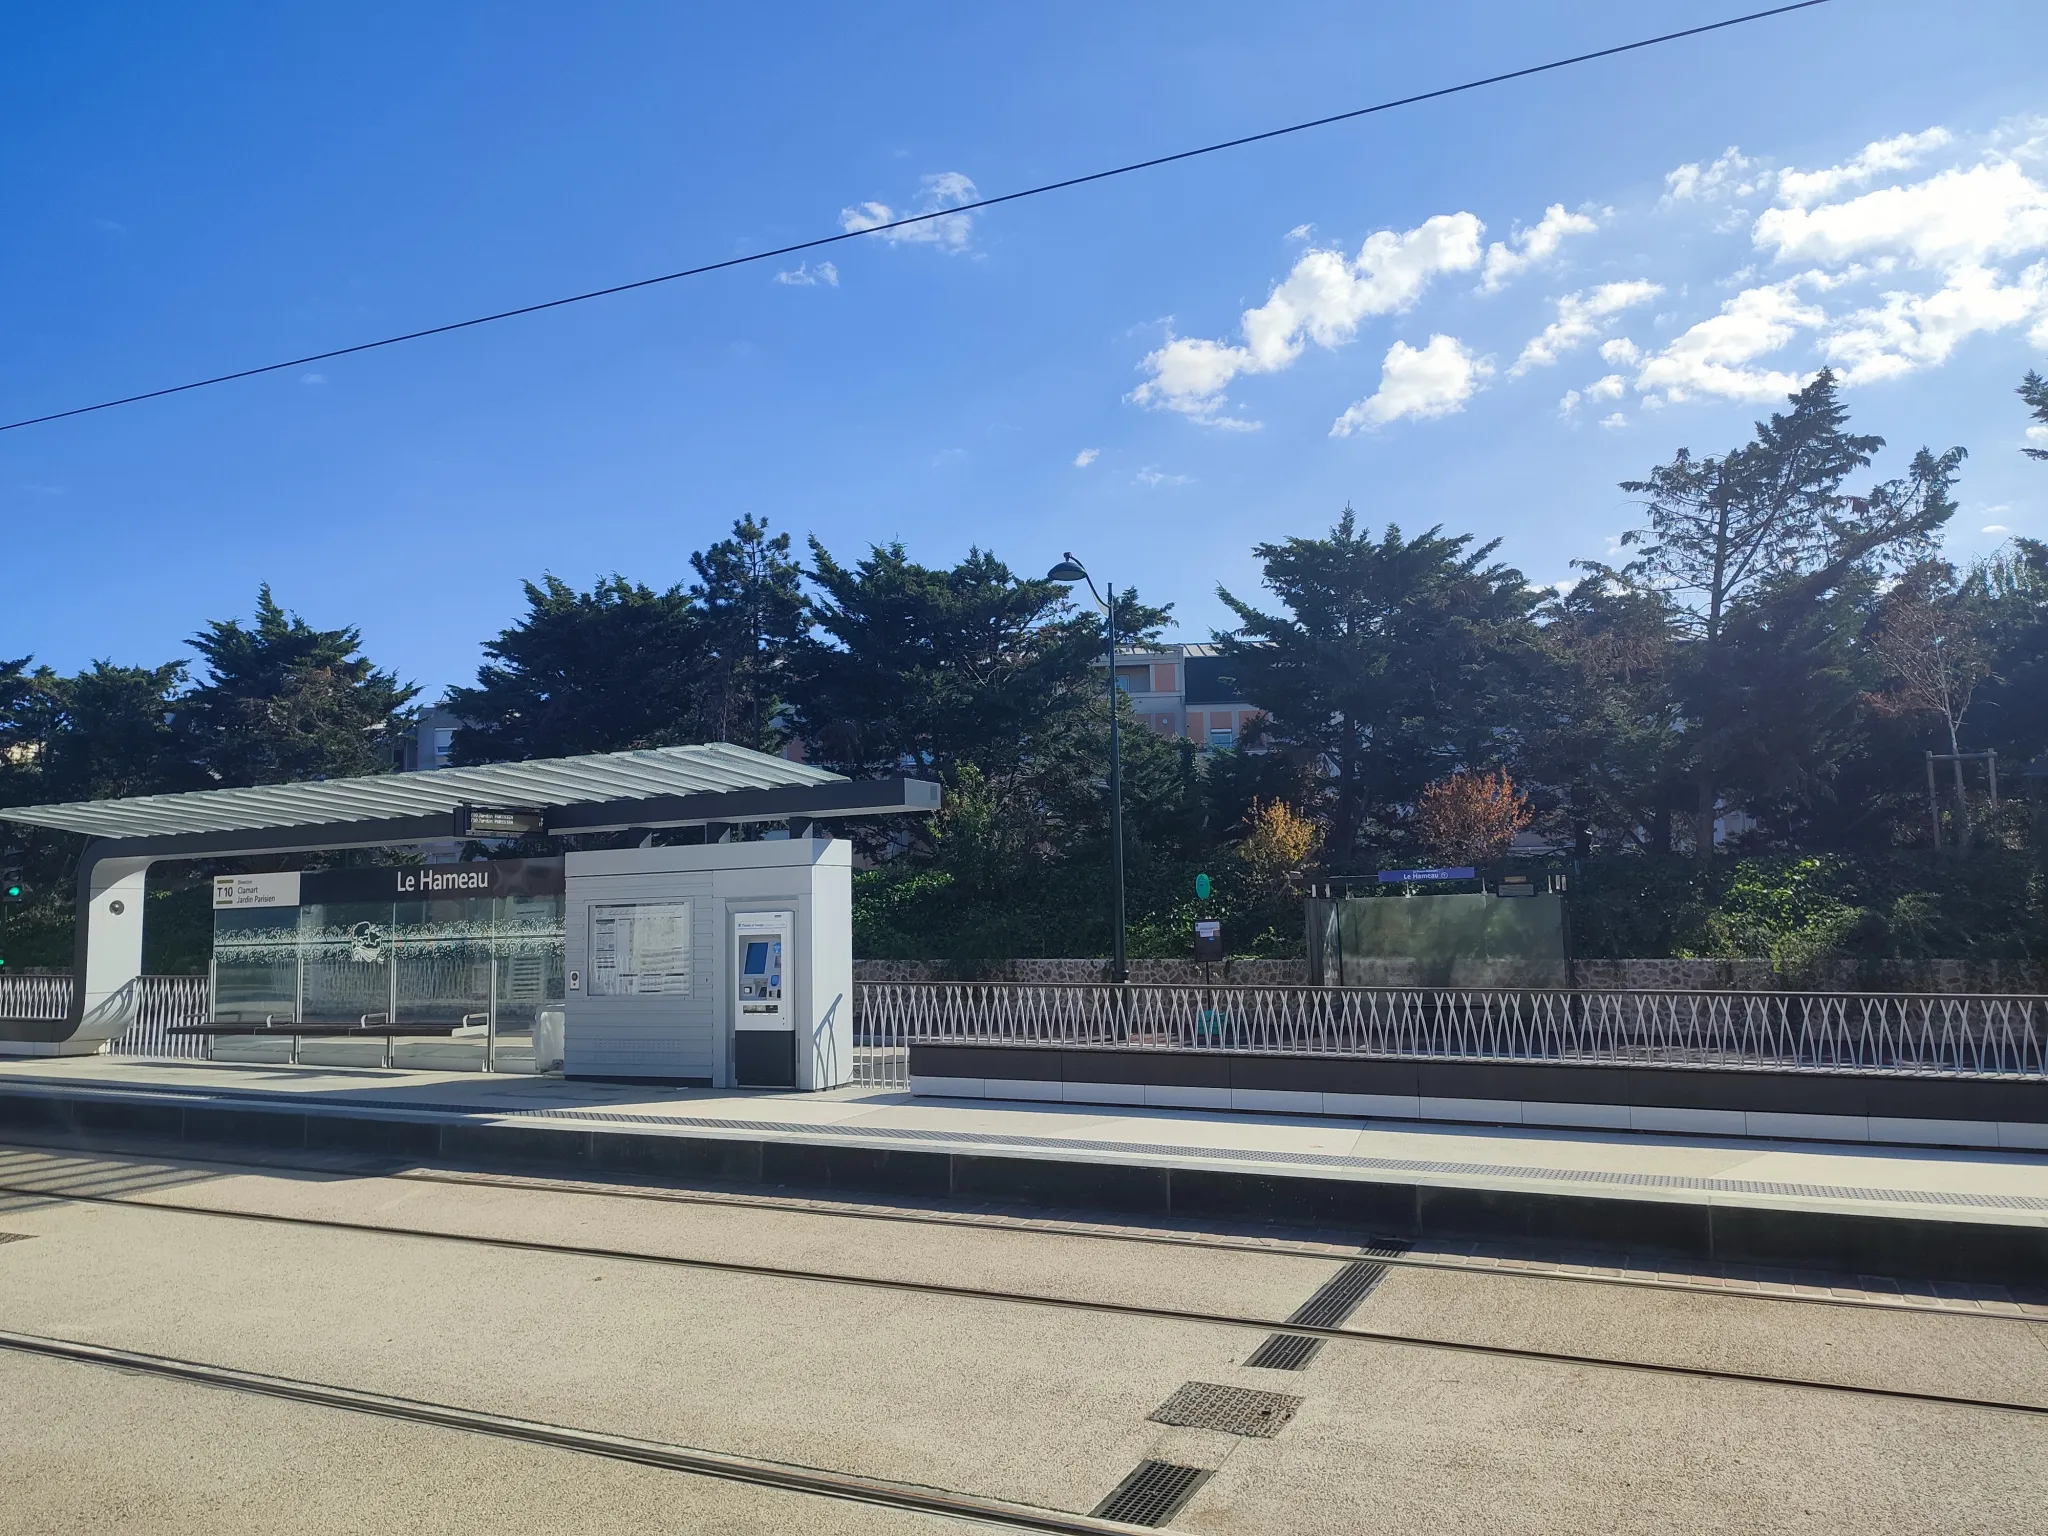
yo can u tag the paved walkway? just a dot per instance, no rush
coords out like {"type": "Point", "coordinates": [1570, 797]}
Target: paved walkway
{"type": "Point", "coordinates": [2006, 1188]}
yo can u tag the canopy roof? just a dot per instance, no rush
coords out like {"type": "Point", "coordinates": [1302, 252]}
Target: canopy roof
{"type": "Point", "coordinates": [608, 779]}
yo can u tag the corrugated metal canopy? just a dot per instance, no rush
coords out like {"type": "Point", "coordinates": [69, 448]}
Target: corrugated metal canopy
{"type": "Point", "coordinates": [560, 781]}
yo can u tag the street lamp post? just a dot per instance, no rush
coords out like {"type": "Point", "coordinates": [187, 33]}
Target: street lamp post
{"type": "Point", "coordinates": [1070, 570]}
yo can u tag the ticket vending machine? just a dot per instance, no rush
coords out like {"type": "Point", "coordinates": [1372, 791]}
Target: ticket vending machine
{"type": "Point", "coordinates": [763, 1019]}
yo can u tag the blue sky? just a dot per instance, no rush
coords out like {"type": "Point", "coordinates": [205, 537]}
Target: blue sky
{"type": "Point", "coordinates": [1156, 372]}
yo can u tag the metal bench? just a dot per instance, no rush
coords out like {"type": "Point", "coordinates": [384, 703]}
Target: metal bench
{"type": "Point", "coordinates": [300, 1029]}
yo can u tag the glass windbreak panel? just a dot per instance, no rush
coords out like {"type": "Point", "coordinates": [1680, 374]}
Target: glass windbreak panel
{"type": "Point", "coordinates": [416, 960]}
{"type": "Point", "coordinates": [527, 940]}
{"type": "Point", "coordinates": [443, 953]}
{"type": "Point", "coordinates": [255, 965]}
{"type": "Point", "coordinates": [348, 960]}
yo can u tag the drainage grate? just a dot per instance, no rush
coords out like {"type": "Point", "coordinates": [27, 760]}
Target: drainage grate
{"type": "Point", "coordinates": [1338, 1297]}
{"type": "Point", "coordinates": [1334, 1301]}
{"type": "Point", "coordinates": [15, 1237]}
{"type": "Point", "coordinates": [1285, 1352]}
{"type": "Point", "coordinates": [1233, 1410]}
{"type": "Point", "coordinates": [1153, 1494]}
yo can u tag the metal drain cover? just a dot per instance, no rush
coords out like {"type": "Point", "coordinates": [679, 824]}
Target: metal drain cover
{"type": "Point", "coordinates": [1153, 1494]}
{"type": "Point", "coordinates": [1233, 1410]}
{"type": "Point", "coordinates": [1284, 1352]}
{"type": "Point", "coordinates": [15, 1237]}
{"type": "Point", "coordinates": [1338, 1297]}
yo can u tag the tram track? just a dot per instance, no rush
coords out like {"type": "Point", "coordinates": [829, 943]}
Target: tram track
{"type": "Point", "coordinates": [1389, 1251]}
{"type": "Point", "coordinates": [784, 1476]}
{"type": "Point", "coordinates": [1094, 1305]}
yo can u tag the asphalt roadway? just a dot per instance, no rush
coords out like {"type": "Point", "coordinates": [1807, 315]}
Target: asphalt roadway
{"type": "Point", "coordinates": [1006, 1369]}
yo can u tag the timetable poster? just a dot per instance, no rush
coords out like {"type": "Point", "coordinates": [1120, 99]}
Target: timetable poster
{"type": "Point", "coordinates": [640, 949]}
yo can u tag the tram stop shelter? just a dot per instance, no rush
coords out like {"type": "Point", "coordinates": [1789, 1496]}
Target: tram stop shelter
{"type": "Point", "coordinates": [726, 963]}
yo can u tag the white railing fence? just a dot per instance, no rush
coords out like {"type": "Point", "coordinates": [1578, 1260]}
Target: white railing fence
{"type": "Point", "coordinates": [158, 1003]}
{"type": "Point", "coordinates": [35, 997]}
{"type": "Point", "coordinates": [1918, 1034]}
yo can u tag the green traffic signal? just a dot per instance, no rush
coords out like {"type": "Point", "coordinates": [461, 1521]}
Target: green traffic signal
{"type": "Point", "coordinates": [14, 893]}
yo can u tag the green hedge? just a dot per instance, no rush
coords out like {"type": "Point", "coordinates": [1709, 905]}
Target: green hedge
{"type": "Point", "coordinates": [1795, 909]}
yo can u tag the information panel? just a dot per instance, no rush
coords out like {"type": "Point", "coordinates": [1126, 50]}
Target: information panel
{"type": "Point", "coordinates": [640, 949]}
{"type": "Point", "coordinates": [256, 890]}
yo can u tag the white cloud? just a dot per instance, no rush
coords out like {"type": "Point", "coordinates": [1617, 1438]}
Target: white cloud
{"type": "Point", "coordinates": [1612, 387]}
{"type": "Point", "coordinates": [1581, 317]}
{"type": "Point", "coordinates": [1708, 359]}
{"type": "Point", "coordinates": [1975, 214]}
{"type": "Point", "coordinates": [1616, 420]}
{"type": "Point", "coordinates": [1153, 477]}
{"type": "Point", "coordinates": [1726, 176]}
{"type": "Point", "coordinates": [1908, 332]}
{"type": "Point", "coordinates": [1526, 247]}
{"type": "Point", "coordinates": [807, 276]}
{"type": "Point", "coordinates": [1996, 528]}
{"type": "Point", "coordinates": [948, 189]}
{"type": "Point", "coordinates": [1301, 232]}
{"type": "Point", "coordinates": [1435, 380]}
{"type": "Point", "coordinates": [312, 378]}
{"type": "Point", "coordinates": [1804, 188]}
{"type": "Point", "coordinates": [1569, 402]}
{"type": "Point", "coordinates": [2037, 434]}
{"type": "Point", "coordinates": [1086, 457]}
{"type": "Point", "coordinates": [1620, 351]}
{"type": "Point", "coordinates": [1322, 300]}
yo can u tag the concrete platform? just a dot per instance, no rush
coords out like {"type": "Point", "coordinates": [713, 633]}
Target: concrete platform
{"type": "Point", "coordinates": [1977, 1216]}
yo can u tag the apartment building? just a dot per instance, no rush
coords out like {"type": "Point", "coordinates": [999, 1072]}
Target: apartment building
{"type": "Point", "coordinates": [1182, 690]}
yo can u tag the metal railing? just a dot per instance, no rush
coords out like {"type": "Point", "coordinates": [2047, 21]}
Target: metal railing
{"type": "Point", "coordinates": [1914, 1034]}
{"type": "Point", "coordinates": [35, 998]}
{"type": "Point", "coordinates": [158, 1002]}
{"type": "Point", "coordinates": [161, 1002]}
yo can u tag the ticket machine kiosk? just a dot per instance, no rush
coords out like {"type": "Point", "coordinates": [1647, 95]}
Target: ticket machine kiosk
{"type": "Point", "coordinates": [763, 1029]}
{"type": "Point", "coordinates": [723, 965]}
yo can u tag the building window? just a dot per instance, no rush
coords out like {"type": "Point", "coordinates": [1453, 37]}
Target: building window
{"type": "Point", "coordinates": [1134, 679]}
{"type": "Point", "coordinates": [1222, 736]}
{"type": "Point", "coordinates": [444, 746]}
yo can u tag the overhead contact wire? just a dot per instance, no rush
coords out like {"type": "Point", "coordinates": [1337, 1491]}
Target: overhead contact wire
{"type": "Point", "coordinates": [915, 219]}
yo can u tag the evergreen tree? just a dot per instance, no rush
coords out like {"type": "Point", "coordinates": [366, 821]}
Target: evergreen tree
{"type": "Point", "coordinates": [1764, 553]}
{"type": "Point", "coordinates": [1397, 660]}
{"type": "Point", "coordinates": [282, 701]}
{"type": "Point", "coordinates": [2034, 390]}
{"type": "Point", "coordinates": [110, 732]}
{"type": "Point", "coordinates": [927, 670]}
{"type": "Point", "coordinates": [607, 670]}
{"type": "Point", "coordinates": [751, 620]}
{"type": "Point", "coordinates": [1601, 737]}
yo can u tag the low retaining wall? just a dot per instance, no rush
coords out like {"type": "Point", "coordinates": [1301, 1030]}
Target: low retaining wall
{"type": "Point", "coordinates": [1821, 1106]}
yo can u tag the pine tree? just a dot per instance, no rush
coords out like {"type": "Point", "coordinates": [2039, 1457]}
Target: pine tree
{"type": "Point", "coordinates": [282, 701]}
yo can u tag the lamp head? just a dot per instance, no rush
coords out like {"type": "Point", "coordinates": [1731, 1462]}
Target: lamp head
{"type": "Point", "coordinates": [1068, 569]}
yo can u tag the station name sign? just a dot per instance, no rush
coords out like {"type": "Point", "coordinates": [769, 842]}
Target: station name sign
{"type": "Point", "coordinates": [1405, 876]}
{"type": "Point", "coordinates": [400, 882]}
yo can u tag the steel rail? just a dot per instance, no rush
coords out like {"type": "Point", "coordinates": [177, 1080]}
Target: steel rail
{"type": "Point", "coordinates": [1379, 1250]}
{"type": "Point", "coordinates": [788, 1477]}
{"type": "Point", "coordinates": [951, 1292]}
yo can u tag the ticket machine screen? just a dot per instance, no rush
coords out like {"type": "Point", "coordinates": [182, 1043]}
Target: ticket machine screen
{"type": "Point", "coordinates": [760, 974]}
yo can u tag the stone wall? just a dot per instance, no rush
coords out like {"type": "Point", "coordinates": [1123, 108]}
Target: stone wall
{"type": "Point", "coordinates": [1978, 976]}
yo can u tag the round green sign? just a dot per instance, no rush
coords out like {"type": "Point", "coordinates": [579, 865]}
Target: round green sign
{"type": "Point", "coordinates": [1202, 887]}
